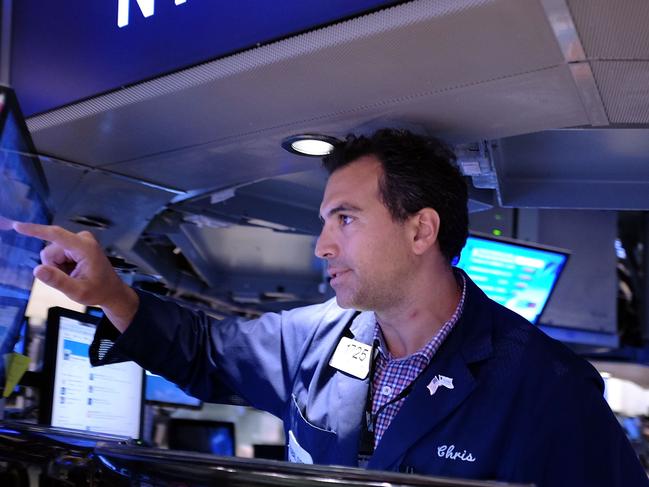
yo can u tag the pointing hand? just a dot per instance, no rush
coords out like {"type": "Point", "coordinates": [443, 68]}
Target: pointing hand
{"type": "Point", "coordinates": [75, 264]}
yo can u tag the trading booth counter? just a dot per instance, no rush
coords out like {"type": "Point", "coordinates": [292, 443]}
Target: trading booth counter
{"type": "Point", "coordinates": [61, 454]}
{"type": "Point", "coordinates": [82, 459]}
{"type": "Point", "coordinates": [164, 467]}
{"type": "Point", "coordinates": [34, 443]}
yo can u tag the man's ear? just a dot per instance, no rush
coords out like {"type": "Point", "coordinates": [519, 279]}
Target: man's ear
{"type": "Point", "coordinates": [425, 228]}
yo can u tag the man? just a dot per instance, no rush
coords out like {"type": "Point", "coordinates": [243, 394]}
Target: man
{"type": "Point", "coordinates": [428, 376]}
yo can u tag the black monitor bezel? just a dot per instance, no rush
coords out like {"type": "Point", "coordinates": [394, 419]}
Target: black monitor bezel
{"type": "Point", "coordinates": [536, 246]}
{"type": "Point", "coordinates": [54, 316]}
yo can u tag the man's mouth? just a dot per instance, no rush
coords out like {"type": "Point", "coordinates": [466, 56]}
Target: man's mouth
{"type": "Point", "coordinates": [335, 274]}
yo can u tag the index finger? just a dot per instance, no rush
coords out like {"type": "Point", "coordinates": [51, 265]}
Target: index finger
{"type": "Point", "coordinates": [5, 223]}
{"type": "Point", "coordinates": [54, 234]}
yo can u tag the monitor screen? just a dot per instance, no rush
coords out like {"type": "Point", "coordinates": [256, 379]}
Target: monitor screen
{"type": "Point", "coordinates": [164, 392]}
{"type": "Point", "coordinates": [518, 275]}
{"type": "Point", "coordinates": [215, 437]}
{"type": "Point", "coordinates": [23, 195]}
{"type": "Point", "coordinates": [106, 399]}
{"type": "Point", "coordinates": [94, 311]}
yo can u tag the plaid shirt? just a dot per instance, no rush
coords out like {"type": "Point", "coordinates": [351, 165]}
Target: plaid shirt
{"type": "Point", "coordinates": [392, 376]}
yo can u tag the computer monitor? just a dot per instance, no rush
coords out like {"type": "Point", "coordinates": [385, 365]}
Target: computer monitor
{"type": "Point", "coordinates": [23, 196]}
{"type": "Point", "coordinates": [516, 274]}
{"type": "Point", "coordinates": [94, 311]}
{"type": "Point", "coordinates": [162, 392]}
{"type": "Point", "coordinates": [269, 452]}
{"type": "Point", "coordinates": [106, 399]}
{"type": "Point", "coordinates": [215, 437]}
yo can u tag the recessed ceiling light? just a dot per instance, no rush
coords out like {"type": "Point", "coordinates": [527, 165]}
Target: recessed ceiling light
{"type": "Point", "coordinates": [309, 145]}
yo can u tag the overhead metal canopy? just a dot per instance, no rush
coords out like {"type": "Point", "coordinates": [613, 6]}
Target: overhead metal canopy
{"type": "Point", "coordinates": [511, 72]}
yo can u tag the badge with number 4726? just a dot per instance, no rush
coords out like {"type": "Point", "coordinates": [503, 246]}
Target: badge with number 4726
{"type": "Point", "coordinates": [352, 357]}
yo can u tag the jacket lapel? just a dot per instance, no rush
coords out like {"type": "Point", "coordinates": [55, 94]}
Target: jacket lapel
{"type": "Point", "coordinates": [351, 394]}
{"type": "Point", "coordinates": [469, 342]}
{"type": "Point", "coordinates": [421, 411]}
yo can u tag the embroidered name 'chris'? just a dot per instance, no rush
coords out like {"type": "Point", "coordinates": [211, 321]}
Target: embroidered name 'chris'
{"type": "Point", "coordinates": [448, 451]}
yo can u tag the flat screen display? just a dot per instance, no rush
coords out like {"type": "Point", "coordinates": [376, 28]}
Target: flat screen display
{"type": "Point", "coordinates": [162, 391]}
{"type": "Point", "coordinates": [518, 275]}
{"type": "Point", "coordinates": [106, 399]}
{"type": "Point", "coordinates": [215, 437]}
{"type": "Point", "coordinates": [23, 194]}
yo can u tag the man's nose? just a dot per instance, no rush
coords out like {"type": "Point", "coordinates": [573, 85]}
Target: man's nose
{"type": "Point", "coordinates": [325, 247]}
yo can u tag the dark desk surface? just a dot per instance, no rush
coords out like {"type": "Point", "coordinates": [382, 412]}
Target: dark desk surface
{"type": "Point", "coordinates": [116, 461]}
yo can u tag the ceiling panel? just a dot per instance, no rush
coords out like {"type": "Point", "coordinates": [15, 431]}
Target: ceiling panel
{"type": "Point", "coordinates": [388, 58]}
{"type": "Point", "coordinates": [256, 250]}
{"type": "Point", "coordinates": [612, 29]}
{"type": "Point", "coordinates": [217, 167]}
{"type": "Point", "coordinates": [62, 179]}
{"type": "Point", "coordinates": [127, 205]}
{"type": "Point", "coordinates": [523, 103]}
{"type": "Point", "coordinates": [624, 86]}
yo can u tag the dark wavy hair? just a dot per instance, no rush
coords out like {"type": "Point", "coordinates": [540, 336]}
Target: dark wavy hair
{"type": "Point", "coordinates": [418, 172]}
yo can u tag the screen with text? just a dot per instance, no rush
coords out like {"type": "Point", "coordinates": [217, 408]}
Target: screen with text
{"type": "Point", "coordinates": [517, 276]}
{"type": "Point", "coordinates": [105, 399]}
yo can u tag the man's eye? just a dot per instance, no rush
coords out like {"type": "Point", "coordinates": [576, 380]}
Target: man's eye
{"type": "Point", "coordinates": [345, 219]}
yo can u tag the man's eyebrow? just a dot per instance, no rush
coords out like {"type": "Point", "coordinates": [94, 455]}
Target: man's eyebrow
{"type": "Point", "coordinates": [342, 208]}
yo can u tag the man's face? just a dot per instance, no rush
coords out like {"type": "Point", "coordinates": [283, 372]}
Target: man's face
{"type": "Point", "coordinates": [368, 254]}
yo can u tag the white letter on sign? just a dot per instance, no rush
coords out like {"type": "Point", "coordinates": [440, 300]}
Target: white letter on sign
{"type": "Point", "coordinates": [147, 7]}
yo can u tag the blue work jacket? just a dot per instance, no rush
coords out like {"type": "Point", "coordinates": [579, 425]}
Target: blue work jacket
{"type": "Point", "coordinates": [523, 408]}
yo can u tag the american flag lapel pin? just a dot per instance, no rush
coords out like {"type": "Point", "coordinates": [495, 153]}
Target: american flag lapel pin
{"type": "Point", "coordinates": [439, 380]}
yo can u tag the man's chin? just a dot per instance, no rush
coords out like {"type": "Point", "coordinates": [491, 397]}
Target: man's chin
{"type": "Point", "coordinates": [343, 303]}
{"type": "Point", "coordinates": [349, 302]}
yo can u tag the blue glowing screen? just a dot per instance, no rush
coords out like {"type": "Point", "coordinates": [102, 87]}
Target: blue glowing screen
{"type": "Point", "coordinates": [221, 442]}
{"type": "Point", "coordinates": [161, 390]}
{"type": "Point", "coordinates": [22, 197]}
{"type": "Point", "coordinates": [517, 276]}
{"type": "Point", "coordinates": [215, 437]}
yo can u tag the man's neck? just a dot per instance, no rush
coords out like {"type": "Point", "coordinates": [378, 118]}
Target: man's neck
{"type": "Point", "coordinates": [420, 315]}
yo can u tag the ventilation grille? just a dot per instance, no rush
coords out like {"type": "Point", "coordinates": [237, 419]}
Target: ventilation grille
{"type": "Point", "coordinates": [624, 86]}
{"type": "Point", "coordinates": [612, 29]}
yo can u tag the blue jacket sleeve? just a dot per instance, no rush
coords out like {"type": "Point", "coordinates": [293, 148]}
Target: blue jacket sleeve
{"type": "Point", "coordinates": [209, 358]}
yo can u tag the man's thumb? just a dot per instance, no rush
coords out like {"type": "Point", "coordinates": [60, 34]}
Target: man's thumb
{"type": "Point", "coordinates": [43, 273]}
{"type": "Point", "coordinates": [57, 279]}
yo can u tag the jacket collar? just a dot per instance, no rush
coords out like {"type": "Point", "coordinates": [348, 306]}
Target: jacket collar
{"type": "Point", "coordinates": [476, 328]}
{"type": "Point", "coordinates": [469, 342]}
